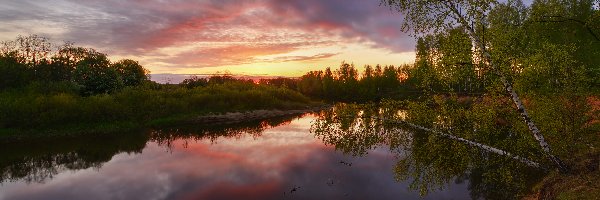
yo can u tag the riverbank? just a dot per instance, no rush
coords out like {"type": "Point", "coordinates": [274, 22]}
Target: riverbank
{"type": "Point", "coordinates": [581, 183]}
{"type": "Point", "coordinates": [582, 180]}
{"type": "Point", "coordinates": [208, 119]}
{"type": "Point", "coordinates": [54, 110]}
{"type": "Point", "coordinates": [228, 118]}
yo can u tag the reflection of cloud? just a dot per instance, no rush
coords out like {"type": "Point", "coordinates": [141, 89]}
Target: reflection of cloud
{"type": "Point", "coordinates": [238, 30]}
{"type": "Point", "coordinates": [226, 191]}
{"type": "Point", "coordinates": [234, 168]}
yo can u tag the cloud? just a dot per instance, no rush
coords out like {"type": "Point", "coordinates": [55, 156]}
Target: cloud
{"type": "Point", "coordinates": [238, 31]}
{"type": "Point", "coordinates": [237, 54]}
{"type": "Point", "coordinates": [351, 19]}
{"type": "Point", "coordinates": [303, 58]}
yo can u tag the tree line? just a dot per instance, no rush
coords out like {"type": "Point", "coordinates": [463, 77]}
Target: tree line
{"type": "Point", "coordinates": [344, 84]}
{"type": "Point", "coordinates": [33, 58]}
{"type": "Point", "coordinates": [75, 89]}
{"type": "Point", "coordinates": [347, 84]}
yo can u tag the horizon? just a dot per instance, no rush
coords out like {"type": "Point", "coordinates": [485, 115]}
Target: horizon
{"type": "Point", "coordinates": [169, 78]}
{"type": "Point", "coordinates": [274, 38]}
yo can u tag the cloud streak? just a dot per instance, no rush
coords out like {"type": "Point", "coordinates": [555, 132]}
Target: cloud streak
{"type": "Point", "coordinates": [229, 32]}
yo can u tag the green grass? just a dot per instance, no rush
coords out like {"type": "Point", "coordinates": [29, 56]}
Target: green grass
{"type": "Point", "coordinates": [39, 109]}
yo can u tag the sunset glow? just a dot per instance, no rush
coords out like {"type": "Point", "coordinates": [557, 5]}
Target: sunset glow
{"type": "Point", "coordinates": [255, 37]}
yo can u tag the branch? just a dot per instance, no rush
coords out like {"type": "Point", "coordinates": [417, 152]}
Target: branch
{"type": "Point", "coordinates": [468, 142]}
{"type": "Point", "coordinates": [565, 19]}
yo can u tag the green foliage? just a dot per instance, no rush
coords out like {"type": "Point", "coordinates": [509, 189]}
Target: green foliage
{"type": "Point", "coordinates": [12, 72]}
{"type": "Point", "coordinates": [344, 84]}
{"type": "Point", "coordinates": [29, 60]}
{"type": "Point", "coordinates": [96, 76]}
{"type": "Point", "coordinates": [131, 72]}
{"type": "Point", "coordinates": [60, 106]}
{"type": "Point", "coordinates": [291, 83]}
{"type": "Point", "coordinates": [444, 63]}
{"type": "Point", "coordinates": [311, 84]}
{"type": "Point", "coordinates": [568, 122]}
{"type": "Point", "coordinates": [194, 82]}
{"type": "Point", "coordinates": [547, 48]}
{"type": "Point", "coordinates": [425, 16]}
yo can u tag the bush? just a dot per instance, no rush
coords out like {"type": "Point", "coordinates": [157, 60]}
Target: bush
{"type": "Point", "coordinates": [12, 72]}
{"type": "Point", "coordinates": [59, 104]}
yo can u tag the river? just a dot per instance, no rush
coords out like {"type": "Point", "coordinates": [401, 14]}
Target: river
{"type": "Point", "coordinates": [273, 159]}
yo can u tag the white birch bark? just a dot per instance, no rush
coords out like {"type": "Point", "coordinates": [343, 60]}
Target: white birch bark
{"type": "Point", "coordinates": [508, 87]}
{"type": "Point", "coordinates": [471, 143]}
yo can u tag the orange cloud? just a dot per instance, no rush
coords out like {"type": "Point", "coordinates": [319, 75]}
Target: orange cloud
{"type": "Point", "coordinates": [241, 31]}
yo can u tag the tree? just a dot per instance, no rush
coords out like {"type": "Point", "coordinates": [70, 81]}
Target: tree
{"type": "Point", "coordinates": [448, 57]}
{"type": "Point", "coordinates": [311, 84]}
{"type": "Point", "coordinates": [347, 78]}
{"type": "Point", "coordinates": [427, 16]}
{"type": "Point", "coordinates": [368, 87]}
{"type": "Point", "coordinates": [565, 49]}
{"type": "Point", "coordinates": [95, 75]}
{"type": "Point", "coordinates": [131, 72]}
{"type": "Point", "coordinates": [194, 82]}
{"type": "Point", "coordinates": [63, 63]}
{"type": "Point", "coordinates": [33, 48]}
{"type": "Point", "coordinates": [329, 87]}
{"type": "Point", "coordinates": [13, 73]}
{"type": "Point", "coordinates": [424, 76]}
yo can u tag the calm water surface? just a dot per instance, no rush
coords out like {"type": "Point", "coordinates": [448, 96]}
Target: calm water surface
{"type": "Point", "coordinates": [277, 159]}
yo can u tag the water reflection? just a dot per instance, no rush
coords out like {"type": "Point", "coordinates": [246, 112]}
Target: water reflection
{"type": "Point", "coordinates": [428, 162]}
{"type": "Point", "coordinates": [275, 159]}
{"type": "Point", "coordinates": [38, 160]}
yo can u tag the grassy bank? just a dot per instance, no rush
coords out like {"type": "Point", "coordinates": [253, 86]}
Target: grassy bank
{"type": "Point", "coordinates": [48, 107]}
{"type": "Point", "coordinates": [581, 183]}
{"type": "Point", "coordinates": [582, 180]}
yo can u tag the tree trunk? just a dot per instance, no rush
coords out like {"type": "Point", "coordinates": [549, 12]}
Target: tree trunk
{"type": "Point", "coordinates": [471, 143]}
{"type": "Point", "coordinates": [509, 88]}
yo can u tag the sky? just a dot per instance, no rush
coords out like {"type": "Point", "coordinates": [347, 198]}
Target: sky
{"type": "Point", "coordinates": [246, 37]}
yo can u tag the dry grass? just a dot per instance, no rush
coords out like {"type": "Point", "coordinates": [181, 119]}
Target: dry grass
{"type": "Point", "coordinates": [581, 183]}
{"type": "Point", "coordinates": [594, 102]}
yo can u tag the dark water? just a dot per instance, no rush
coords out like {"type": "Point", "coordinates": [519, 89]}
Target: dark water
{"type": "Point", "coordinates": [276, 159]}
{"type": "Point", "coordinates": [270, 160]}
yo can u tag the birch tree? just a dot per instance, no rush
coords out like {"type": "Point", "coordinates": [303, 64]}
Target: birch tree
{"type": "Point", "coordinates": [430, 158]}
{"type": "Point", "coordinates": [437, 16]}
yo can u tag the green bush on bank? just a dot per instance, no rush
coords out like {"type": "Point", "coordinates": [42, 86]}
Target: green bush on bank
{"type": "Point", "coordinates": [63, 107]}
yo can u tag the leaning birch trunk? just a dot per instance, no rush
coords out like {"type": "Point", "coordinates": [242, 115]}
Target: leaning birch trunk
{"type": "Point", "coordinates": [471, 143]}
{"type": "Point", "coordinates": [509, 88]}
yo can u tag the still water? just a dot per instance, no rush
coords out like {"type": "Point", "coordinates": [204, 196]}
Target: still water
{"type": "Point", "coordinates": [348, 152]}
{"type": "Point", "coordinates": [275, 159]}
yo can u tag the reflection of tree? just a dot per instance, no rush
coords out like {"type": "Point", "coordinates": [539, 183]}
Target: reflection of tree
{"type": "Point", "coordinates": [347, 129]}
{"type": "Point", "coordinates": [38, 160]}
{"type": "Point", "coordinates": [430, 162]}
{"type": "Point", "coordinates": [167, 136]}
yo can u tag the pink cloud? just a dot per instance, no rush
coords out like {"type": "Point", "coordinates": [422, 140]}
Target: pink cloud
{"type": "Point", "coordinates": [140, 27]}
{"type": "Point", "coordinates": [243, 54]}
